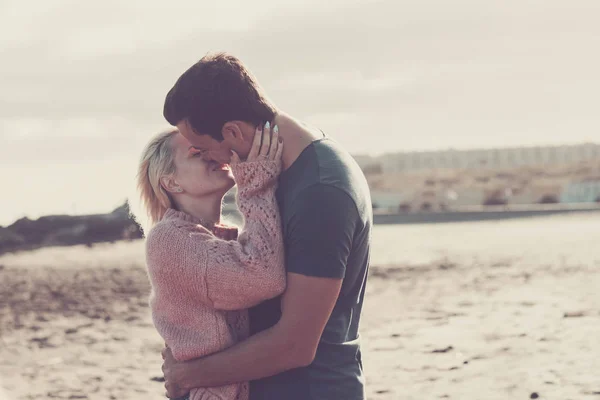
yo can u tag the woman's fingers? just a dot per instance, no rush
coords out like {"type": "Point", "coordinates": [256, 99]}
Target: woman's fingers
{"type": "Point", "coordinates": [266, 144]}
{"type": "Point", "coordinates": [279, 151]}
{"type": "Point", "coordinates": [266, 141]}
{"type": "Point", "coordinates": [274, 143]}
{"type": "Point", "coordinates": [255, 149]}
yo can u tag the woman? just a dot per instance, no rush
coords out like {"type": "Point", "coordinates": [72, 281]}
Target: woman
{"type": "Point", "coordinates": [203, 278]}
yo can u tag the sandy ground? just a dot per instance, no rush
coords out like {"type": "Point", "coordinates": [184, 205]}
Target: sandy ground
{"type": "Point", "coordinates": [500, 310]}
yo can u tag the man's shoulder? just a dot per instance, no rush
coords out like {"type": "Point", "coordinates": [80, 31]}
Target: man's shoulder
{"type": "Point", "coordinates": [338, 169]}
{"type": "Point", "coordinates": [326, 172]}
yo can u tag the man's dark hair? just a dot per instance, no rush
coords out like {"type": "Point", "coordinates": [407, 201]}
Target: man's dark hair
{"type": "Point", "coordinates": [217, 89]}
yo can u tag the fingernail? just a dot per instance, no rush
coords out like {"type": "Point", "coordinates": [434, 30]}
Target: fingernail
{"type": "Point", "coordinates": [267, 125]}
{"type": "Point", "coordinates": [276, 129]}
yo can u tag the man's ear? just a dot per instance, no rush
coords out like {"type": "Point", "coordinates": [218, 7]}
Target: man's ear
{"type": "Point", "coordinates": [170, 184]}
{"type": "Point", "coordinates": [232, 133]}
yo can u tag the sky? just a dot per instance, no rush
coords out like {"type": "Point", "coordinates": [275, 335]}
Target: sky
{"type": "Point", "coordinates": [83, 83]}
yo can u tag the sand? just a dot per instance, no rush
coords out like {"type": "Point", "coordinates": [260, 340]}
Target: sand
{"type": "Point", "coordinates": [501, 310]}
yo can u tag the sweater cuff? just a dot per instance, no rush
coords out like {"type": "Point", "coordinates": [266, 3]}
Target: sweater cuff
{"type": "Point", "coordinates": [255, 175]}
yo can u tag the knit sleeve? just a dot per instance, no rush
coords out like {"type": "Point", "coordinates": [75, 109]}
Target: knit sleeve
{"type": "Point", "coordinates": [243, 273]}
{"type": "Point", "coordinates": [226, 274]}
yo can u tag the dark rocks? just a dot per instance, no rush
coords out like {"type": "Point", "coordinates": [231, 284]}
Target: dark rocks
{"type": "Point", "coordinates": [444, 350]}
{"type": "Point", "coordinates": [67, 230]}
{"type": "Point", "coordinates": [10, 240]}
{"type": "Point", "coordinates": [574, 314]}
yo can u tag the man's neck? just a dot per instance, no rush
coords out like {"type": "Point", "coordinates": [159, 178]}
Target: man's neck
{"type": "Point", "coordinates": [296, 137]}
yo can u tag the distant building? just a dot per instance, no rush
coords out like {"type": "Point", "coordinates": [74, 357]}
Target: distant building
{"type": "Point", "coordinates": [581, 192]}
{"type": "Point", "coordinates": [412, 199]}
{"type": "Point", "coordinates": [442, 193]}
{"type": "Point", "coordinates": [387, 200]}
{"type": "Point", "coordinates": [478, 159]}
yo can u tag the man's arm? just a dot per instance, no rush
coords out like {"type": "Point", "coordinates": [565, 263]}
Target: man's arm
{"type": "Point", "coordinates": [317, 247]}
{"type": "Point", "coordinates": [291, 343]}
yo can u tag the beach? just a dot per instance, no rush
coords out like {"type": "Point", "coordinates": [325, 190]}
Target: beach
{"type": "Point", "coordinates": [472, 310]}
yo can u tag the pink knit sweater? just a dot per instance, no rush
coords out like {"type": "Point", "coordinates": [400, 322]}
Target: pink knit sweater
{"type": "Point", "coordinates": [203, 282]}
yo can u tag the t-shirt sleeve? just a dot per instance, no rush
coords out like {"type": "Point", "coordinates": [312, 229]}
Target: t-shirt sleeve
{"type": "Point", "coordinates": [320, 231]}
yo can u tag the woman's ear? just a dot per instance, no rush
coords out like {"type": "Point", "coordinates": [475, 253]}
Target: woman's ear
{"type": "Point", "coordinates": [170, 184]}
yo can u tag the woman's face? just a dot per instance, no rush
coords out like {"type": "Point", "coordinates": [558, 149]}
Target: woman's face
{"type": "Point", "coordinates": [197, 176]}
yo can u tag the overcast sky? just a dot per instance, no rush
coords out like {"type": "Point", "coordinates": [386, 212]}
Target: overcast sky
{"type": "Point", "coordinates": [83, 82]}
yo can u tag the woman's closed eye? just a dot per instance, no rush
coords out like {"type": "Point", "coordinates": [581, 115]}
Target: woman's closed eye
{"type": "Point", "coordinates": [197, 152]}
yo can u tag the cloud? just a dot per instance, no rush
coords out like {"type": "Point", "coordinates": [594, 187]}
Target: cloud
{"type": "Point", "coordinates": [83, 83]}
{"type": "Point", "coordinates": [429, 66]}
{"type": "Point", "coordinates": [115, 69]}
{"type": "Point", "coordinates": [43, 143]}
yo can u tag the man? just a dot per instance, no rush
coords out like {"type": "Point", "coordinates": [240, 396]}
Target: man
{"type": "Point", "coordinates": [304, 345]}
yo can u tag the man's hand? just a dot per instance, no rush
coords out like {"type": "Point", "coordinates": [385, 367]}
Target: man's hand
{"type": "Point", "coordinates": [173, 371]}
{"type": "Point", "coordinates": [291, 343]}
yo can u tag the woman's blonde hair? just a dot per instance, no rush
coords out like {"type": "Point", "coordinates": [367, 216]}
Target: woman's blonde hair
{"type": "Point", "coordinates": [157, 161]}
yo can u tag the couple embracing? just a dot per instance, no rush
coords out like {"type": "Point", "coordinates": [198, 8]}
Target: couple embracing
{"type": "Point", "coordinates": [269, 311]}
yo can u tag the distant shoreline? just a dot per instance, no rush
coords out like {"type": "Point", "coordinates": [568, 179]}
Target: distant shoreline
{"type": "Point", "coordinates": [481, 213]}
{"type": "Point", "coordinates": [118, 225]}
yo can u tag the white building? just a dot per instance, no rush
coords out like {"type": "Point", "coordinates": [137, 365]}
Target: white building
{"type": "Point", "coordinates": [484, 158]}
{"type": "Point", "coordinates": [581, 192]}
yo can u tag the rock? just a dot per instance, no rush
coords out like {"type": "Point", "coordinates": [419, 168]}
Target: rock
{"type": "Point", "coordinates": [574, 314]}
{"type": "Point", "coordinates": [444, 350]}
{"type": "Point", "coordinates": [66, 236]}
{"type": "Point", "coordinates": [66, 230]}
{"type": "Point", "coordinates": [9, 240]}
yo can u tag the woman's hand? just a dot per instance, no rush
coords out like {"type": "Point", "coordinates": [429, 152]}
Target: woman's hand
{"type": "Point", "coordinates": [267, 146]}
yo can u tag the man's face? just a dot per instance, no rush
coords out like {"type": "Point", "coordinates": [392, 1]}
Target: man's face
{"type": "Point", "coordinates": [213, 149]}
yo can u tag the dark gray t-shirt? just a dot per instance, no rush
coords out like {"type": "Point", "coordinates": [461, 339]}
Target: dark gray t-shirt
{"type": "Point", "coordinates": [327, 218]}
